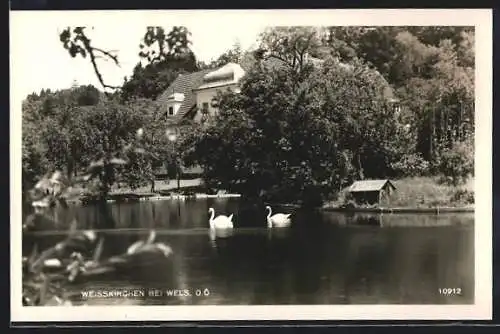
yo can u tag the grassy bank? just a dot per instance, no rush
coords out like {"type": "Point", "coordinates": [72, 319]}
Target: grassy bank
{"type": "Point", "coordinates": [413, 193]}
{"type": "Point", "coordinates": [421, 193]}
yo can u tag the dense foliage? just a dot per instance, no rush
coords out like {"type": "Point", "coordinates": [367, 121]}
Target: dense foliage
{"type": "Point", "coordinates": [233, 55]}
{"type": "Point", "coordinates": [166, 55]}
{"type": "Point", "coordinates": [383, 102]}
{"type": "Point", "coordinates": [317, 109]}
{"type": "Point", "coordinates": [290, 138]}
{"type": "Point", "coordinates": [61, 133]}
{"type": "Point", "coordinates": [431, 69]}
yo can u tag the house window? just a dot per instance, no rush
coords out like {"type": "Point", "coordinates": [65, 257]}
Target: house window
{"type": "Point", "coordinates": [204, 107]}
{"type": "Point", "coordinates": [204, 112]}
{"type": "Point", "coordinates": [171, 111]}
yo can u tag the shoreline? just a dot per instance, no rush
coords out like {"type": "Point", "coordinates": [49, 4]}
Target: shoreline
{"type": "Point", "coordinates": [424, 195]}
{"type": "Point", "coordinates": [135, 198]}
{"type": "Point", "coordinates": [433, 210]}
{"type": "Point", "coordinates": [132, 198]}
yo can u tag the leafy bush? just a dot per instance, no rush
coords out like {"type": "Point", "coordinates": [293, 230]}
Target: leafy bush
{"type": "Point", "coordinates": [313, 196]}
{"type": "Point", "coordinates": [462, 196]}
{"type": "Point", "coordinates": [411, 165]}
{"type": "Point", "coordinates": [457, 164]}
{"type": "Point", "coordinates": [349, 203]}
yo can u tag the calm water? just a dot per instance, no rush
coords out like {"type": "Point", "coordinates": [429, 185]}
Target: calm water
{"type": "Point", "coordinates": [323, 258]}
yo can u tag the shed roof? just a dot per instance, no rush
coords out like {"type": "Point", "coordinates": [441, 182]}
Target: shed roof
{"type": "Point", "coordinates": [370, 185]}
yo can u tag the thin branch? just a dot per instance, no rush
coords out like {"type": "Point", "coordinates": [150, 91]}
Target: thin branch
{"type": "Point", "coordinates": [98, 74]}
{"type": "Point", "coordinates": [108, 54]}
{"type": "Point", "coordinates": [92, 52]}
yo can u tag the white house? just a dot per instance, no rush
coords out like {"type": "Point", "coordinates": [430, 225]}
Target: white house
{"type": "Point", "coordinates": [191, 96]}
{"type": "Point", "coordinates": [226, 77]}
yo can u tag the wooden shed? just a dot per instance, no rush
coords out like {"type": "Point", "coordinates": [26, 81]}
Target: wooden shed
{"type": "Point", "coordinates": [371, 191]}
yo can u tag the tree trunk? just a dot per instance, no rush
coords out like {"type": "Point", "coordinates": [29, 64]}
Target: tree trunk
{"type": "Point", "coordinates": [433, 134]}
{"type": "Point", "coordinates": [104, 186]}
{"type": "Point", "coordinates": [460, 136]}
{"type": "Point", "coordinates": [152, 179]}
{"type": "Point", "coordinates": [361, 173]}
{"type": "Point", "coordinates": [71, 172]}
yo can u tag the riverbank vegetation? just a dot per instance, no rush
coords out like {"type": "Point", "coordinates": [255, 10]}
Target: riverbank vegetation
{"type": "Point", "coordinates": [301, 132]}
{"type": "Point", "coordinates": [318, 109]}
{"type": "Point", "coordinates": [420, 193]}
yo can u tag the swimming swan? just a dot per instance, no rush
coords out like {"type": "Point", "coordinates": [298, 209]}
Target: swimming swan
{"type": "Point", "coordinates": [157, 248]}
{"type": "Point", "coordinates": [220, 221]}
{"type": "Point", "coordinates": [278, 219]}
{"type": "Point", "coordinates": [141, 243]}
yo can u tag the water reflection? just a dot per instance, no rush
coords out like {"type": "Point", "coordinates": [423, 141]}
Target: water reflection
{"type": "Point", "coordinates": [322, 258]}
{"type": "Point", "coordinates": [219, 234]}
{"type": "Point", "coordinates": [275, 234]}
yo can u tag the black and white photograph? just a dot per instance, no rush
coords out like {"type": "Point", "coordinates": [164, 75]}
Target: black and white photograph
{"type": "Point", "coordinates": [276, 164]}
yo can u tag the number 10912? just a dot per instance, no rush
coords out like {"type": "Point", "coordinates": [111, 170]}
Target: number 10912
{"type": "Point", "coordinates": [450, 291]}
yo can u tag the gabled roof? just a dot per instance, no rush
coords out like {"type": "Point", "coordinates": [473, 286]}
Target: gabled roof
{"type": "Point", "coordinates": [184, 84]}
{"type": "Point", "coordinates": [370, 185]}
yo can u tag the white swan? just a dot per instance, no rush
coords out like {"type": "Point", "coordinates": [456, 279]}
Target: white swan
{"type": "Point", "coordinates": [278, 219]}
{"type": "Point", "coordinates": [141, 243]}
{"type": "Point", "coordinates": [220, 221]}
{"type": "Point", "coordinates": [149, 246]}
{"type": "Point", "coordinates": [157, 247]}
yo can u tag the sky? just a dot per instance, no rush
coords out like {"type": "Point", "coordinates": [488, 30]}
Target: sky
{"type": "Point", "coordinates": [38, 59]}
{"type": "Point", "coordinates": [46, 64]}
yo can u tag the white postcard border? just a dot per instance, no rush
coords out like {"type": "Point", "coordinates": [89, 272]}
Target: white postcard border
{"type": "Point", "coordinates": [22, 22]}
